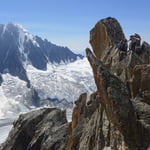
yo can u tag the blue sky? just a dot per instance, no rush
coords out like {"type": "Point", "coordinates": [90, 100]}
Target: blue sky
{"type": "Point", "coordinates": [68, 22]}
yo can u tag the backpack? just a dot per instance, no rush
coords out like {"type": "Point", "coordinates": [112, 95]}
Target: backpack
{"type": "Point", "coordinates": [122, 46]}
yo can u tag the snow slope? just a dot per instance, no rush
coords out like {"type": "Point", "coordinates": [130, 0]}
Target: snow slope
{"type": "Point", "coordinates": [62, 82]}
{"type": "Point", "coordinates": [13, 93]}
{"type": "Point", "coordinates": [57, 75]}
{"type": "Point", "coordinates": [12, 96]}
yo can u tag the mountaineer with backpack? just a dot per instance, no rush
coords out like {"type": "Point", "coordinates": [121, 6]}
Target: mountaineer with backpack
{"type": "Point", "coordinates": [135, 42]}
{"type": "Point", "coordinates": [122, 47]}
{"type": "Point", "coordinates": [138, 39]}
{"type": "Point", "coordinates": [132, 43]}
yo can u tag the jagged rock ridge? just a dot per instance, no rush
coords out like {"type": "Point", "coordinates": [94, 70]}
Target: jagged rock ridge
{"type": "Point", "coordinates": [117, 115]}
{"type": "Point", "coordinates": [122, 114]}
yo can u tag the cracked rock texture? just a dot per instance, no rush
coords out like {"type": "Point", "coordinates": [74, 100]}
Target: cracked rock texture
{"type": "Point", "coordinates": [43, 129]}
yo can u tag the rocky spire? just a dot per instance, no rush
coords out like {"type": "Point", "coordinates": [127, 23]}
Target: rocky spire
{"type": "Point", "coordinates": [117, 121]}
{"type": "Point", "coordinates": [105, 35]}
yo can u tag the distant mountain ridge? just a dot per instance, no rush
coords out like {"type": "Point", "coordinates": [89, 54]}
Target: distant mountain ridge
{"type": "Point", "coordinates": [52, 73]}
{"type": "Point", "coordinates": [18, 48]}
{"type": "Point", "coordinates": [49, 75]}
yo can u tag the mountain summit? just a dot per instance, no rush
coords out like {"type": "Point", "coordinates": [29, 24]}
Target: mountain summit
{"type": "Point", "coordinates": [18, 48]}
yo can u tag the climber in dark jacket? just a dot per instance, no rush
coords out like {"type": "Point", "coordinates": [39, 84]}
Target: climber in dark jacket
{"type": "Point", "coordinates": [123, 45]}
{"type": "Point", "coordinates": [132, 43]}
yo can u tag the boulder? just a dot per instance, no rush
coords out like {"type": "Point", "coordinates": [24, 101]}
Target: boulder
{"type": "Point", "coordinates": [42, 129]}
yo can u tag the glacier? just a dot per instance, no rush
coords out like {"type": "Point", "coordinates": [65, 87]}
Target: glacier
{"type": "Point", "coordinates": [57, 76]}
{"type": "Point", "coordinates": [62, 81]}
{"type": "Point", "coordinates": [59, 81]}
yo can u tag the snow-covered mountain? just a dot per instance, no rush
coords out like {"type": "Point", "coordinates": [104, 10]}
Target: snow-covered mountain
{"type": "Point", "coordinates": [58, 86]}
{"type": "Point", "coordinates": [19, 48]}
{"type": "Point", "coordinates": [36, 73]}
{"type": "Point", "coordinates": [54, 75]}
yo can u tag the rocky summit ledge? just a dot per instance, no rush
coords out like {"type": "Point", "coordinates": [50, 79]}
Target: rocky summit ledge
{"type": "Point", "coordinates": [115, 117]}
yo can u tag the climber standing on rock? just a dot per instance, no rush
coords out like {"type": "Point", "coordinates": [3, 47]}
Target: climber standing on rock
{"type": "Point", "coordinates": [122, 47]}
{"type": "Point", "coordinates": [132, 43]}
{"type": "Point", "coordinates": [138, 39]}
{"type": "Point", "coordinates": [135, 42]}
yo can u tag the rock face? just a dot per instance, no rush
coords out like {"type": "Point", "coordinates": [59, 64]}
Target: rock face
{"type": "Point", "coordinates": [105, 35]}
{"type": "Point", "coordinates": [44, 129]}
{"type": "Point", "coordinates": [141, 82]}
{"type": "Point", "coordinates": [115, 117]}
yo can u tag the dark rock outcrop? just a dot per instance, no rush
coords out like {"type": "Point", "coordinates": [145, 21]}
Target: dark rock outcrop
{"type": "Point", "coordinates": [44, 129]}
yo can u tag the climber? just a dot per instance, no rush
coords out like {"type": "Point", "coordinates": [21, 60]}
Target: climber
{"type": "Point", "coordinates": [135, 42]}
{"type": "Point", "coordinates": [138, 39]}
{"type": "Point", "coordinates": [123, 45]}
{"type": "Point", "coordinates": [132, 43]}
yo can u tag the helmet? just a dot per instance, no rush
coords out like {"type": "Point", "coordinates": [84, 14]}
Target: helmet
{"type": "Point", "coordinates": [131, 37]}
